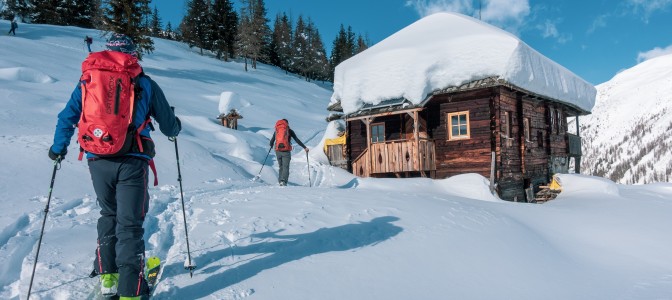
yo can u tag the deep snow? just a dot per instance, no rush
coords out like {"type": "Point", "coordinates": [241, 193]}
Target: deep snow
{"type": "Point", "coordinates": [343, 238]}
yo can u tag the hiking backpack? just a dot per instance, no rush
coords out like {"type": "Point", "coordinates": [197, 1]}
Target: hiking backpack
{"type": "Point", "coordinates": [106, 126]}
{"type": "Point", "coordinates": [282, 136]}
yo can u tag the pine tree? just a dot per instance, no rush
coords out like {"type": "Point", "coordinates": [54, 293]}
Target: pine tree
{"type": "Point", "coordinates": [224, 28]}
{"type": "Point", "coordinates": [344, 47]}
{"type": "Point", "coordinates": [194, 26]}
{"type": "Point", "coordinates": [170, 34]}
{"type": "Point", "coordinates": [84, 13]}
{"type": "Point", "coordinates": [80, 13]}
{"type": "Point", "coordinates": [155, 24]}
{"type": "Point", "coordinates": [300, 47]}
{"type": "Point", "coordinates": [319, 64]}
{"type": "Point", "coordinates": [47, 12]}
{"type": "Point", "coordinates": [362, 44]}
{"type": "Point", "coordinates": [19, 9]}
{"type": "Point", "coordinates": [126, 17]}
{"type": "Point", "coordinates": [253, 32]}
{"type": "Point", "coordinates": [282, 42]}
{"type": "Point", "coordinates": [338, 53]}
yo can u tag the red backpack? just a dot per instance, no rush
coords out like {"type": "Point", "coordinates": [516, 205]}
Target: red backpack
{"type": "Point", "coordinates": [106, 126]}
{"type": "Point", "coordinates": [282, 136]}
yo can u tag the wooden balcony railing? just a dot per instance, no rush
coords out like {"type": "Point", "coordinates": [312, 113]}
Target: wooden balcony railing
{"type": "Point", "coordinates": [395, 157]}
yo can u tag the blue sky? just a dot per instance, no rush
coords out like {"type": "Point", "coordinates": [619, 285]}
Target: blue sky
{"type": "Point", "coordinates": [593, 38]}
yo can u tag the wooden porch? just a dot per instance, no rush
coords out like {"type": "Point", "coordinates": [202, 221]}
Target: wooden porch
{"type": "Point", "coordinates": [396, 157]}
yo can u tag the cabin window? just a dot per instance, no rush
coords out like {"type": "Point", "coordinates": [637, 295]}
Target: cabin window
{"type": "Point", "coordinates": [458, 125]}
{"type": "Point", "coordinates": [377, 133]}
{"type": "Point", "coordinates": [540, 139]}
{"type": "Point", "coordinates": [506, 124]}
{"type": "Point", "coordinates": [526, 129]}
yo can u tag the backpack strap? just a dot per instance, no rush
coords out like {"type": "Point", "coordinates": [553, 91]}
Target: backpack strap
{"type": "Point", "coordinates": [137, 134]}
{"type": "Point", "coordinates": [153, 167]}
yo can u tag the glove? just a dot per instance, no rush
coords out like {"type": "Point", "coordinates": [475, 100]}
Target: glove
{"type": "Point", "coordinates": [306, 149]}
{"type": "Point", "coordinates": [54, 156]}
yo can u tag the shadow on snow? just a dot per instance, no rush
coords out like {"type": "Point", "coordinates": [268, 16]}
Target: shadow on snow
{"type": "Point", "coordinates": [285, 249]}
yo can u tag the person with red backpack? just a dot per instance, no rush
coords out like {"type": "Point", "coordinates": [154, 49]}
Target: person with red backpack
{"type": "Point", "coordinates": [111, 108]}
{"type": "Point", "coordinates": [283, 148]}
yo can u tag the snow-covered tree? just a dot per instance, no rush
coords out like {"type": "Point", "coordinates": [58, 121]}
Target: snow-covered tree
{"type": "Point", "coordinates": [224, 27]}
{"type": "Point", "coordinates": [195, 25]}
{"type": "Point", "coordinates": [127, 17]}
{"type": "Point", "coordinates": [281, 43]}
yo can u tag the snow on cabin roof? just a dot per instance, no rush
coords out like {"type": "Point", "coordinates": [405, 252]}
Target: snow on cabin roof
{"type": "Point", "coordinates": [446, 50]}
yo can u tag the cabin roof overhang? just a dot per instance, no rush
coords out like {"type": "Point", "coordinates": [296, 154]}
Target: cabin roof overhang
{"type": "Point", "coordinates": [402, 104]}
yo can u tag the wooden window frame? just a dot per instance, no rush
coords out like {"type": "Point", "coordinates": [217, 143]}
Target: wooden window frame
{"type": "Point", "coordinates": [526, 129]}
{"type": "Point", "coordinates": [382, 124]}
{"type": "Point", "coordinates": [506, 125]}
{"type": "Point", "coordinates": [554, 122]}
{"type": "Point", "coordinates": [450, 126]}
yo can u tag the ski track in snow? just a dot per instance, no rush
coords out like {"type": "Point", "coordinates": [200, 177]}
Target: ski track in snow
{"type": "Point", "coordinates": [164, 236]}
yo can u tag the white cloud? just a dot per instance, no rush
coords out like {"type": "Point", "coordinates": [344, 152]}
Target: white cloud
{"type": "Point", "coordinates": [507, 14]}
{"type": "Point", "coordinates": [550, 30]}
{"type": "Point", "coordinates": [649, 6]}
{"type": "Point", "coordinates": [655, 52]}
{"type": "Point", "coordinates": [599, 22]}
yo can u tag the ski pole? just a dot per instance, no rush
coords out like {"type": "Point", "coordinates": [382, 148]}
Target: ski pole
{"type": "Point", "coordinates": [189, 267]}
{"type": "Point", "coordinates": [57, 165]}
{"type": "Point", "coordinates": [264, 163]}
{"type": "Point", "coordinates": [308, 166]}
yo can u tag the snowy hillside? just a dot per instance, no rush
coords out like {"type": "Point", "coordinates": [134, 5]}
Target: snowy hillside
{"type": "Point", "coordinates": [341, 238]}
{"type": "Point", "coordinates": [628, 137]}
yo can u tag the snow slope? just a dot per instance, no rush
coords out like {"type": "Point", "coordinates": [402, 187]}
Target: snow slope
{"type": "Point", "coordinates": [628, 138]}
{"type": "Point", "coordinates": [342, 238]}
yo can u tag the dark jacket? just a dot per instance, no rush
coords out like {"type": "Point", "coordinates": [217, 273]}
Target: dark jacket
{"type": "Point", "coordinates": [292, 135]}
{"type": "Point", "coordinates": [151, 103]}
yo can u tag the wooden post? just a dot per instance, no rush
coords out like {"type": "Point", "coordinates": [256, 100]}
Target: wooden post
{"type": "Point", "coordinates": [416, 137]}
{"type": "Point", "coordinates": [492, 173]}
{"type": "Point", "coordinates": [367, 122]}
{"type": "Point", "coordinates": [521, 131]}
{"type": "Point", "coordinates": [577, 160]}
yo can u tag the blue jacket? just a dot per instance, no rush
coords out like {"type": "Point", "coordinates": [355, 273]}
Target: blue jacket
{"type": "Point", "coordinates": [152, 102]}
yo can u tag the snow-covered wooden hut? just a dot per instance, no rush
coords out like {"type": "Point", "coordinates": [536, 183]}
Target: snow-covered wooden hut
{"type": "Point", "coordinates": [449, 95]}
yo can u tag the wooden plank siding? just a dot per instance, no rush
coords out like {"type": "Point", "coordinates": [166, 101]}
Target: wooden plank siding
{"type": "Point", "coordinates": [467, 155]}
{"type": "Point", "coordinates": [521, 161]}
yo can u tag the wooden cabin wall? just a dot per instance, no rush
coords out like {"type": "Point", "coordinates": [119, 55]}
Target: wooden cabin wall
{"type": "Point", "coordinates": [525, 163]}
{"type": "Point", "coordinates": [522, 162]}
{"type": "Point", "coordinates": [461, 156]}
{"type": "Point", "coordinates": [558, 139]}
{"type": "Point", "coordinates": [536, 149]}
{"type": "Point", "coordinates": [356, 140]}
{"type": "Point", "coordinates": [509, 157]}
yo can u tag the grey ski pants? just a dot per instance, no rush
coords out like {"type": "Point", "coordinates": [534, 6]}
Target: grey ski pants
{"type": "Point", "coordinates": [121, 187]}
{"type": "Point", "coordinates": [283, 162]}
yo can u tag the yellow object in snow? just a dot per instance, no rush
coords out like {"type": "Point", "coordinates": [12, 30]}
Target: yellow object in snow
{"type": "Point", "coordinates": [335, 141]}
{"type": "Point", "coordinates": [555, 184]}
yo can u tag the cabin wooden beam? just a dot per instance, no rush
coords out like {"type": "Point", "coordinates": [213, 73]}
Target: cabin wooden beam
{"type": "Point", "coordinates": [389, 113]}
{"type": "Point", "coordinates": [521, 130]}
{"type": "Point", "coordinates": [367, 122]}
